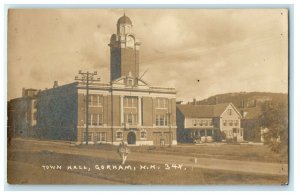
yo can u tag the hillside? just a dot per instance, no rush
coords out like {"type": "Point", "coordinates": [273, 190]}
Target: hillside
{"type": "Point", "coordinates": [246, 99]}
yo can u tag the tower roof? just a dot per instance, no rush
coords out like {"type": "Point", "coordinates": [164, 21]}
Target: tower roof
{"type": "Point", "coordinates": [124, 20]}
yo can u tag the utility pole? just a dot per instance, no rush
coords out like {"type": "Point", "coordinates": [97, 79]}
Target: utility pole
{"type": "Point", "coordinates": [87, 78]}
{"type": "Point", "coordinates": [112, 112]}
{"type": "Point", "coordinates": [169, 115]}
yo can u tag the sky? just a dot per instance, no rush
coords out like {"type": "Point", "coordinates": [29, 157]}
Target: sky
{"type": "Point", "coordinates": [200, 52]}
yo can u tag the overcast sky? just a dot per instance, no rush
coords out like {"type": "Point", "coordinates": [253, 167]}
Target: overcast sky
{"type": "Point", "coordinates": [199, 52]}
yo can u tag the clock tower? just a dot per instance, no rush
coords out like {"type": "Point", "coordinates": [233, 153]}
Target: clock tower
{"type": "Point", "coordinates": [124, 51]}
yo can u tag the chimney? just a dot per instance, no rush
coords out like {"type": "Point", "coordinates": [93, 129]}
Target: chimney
{"type": "Point", "coordinates": [194, 101]}
{"type": "Point", "coordinates": [55, 84]}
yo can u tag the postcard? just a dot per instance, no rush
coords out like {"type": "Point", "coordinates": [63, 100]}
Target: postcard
{"type": "Point", "coordinates": [148, 96]}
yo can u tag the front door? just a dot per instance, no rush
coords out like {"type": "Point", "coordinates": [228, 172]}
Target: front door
{"type": "Point", "coordinates": [131, 138]}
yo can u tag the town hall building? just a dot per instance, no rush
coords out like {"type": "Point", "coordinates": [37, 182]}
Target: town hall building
{"type": "Point", "coordinates": [127, 109]}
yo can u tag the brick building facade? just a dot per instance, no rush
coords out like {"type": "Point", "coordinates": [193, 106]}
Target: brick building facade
{"type": "Point", "coordinates": [127, 109]}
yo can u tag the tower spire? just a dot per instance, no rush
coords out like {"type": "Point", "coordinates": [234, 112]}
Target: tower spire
{"type": "Point", "coordinates": [124, 50]}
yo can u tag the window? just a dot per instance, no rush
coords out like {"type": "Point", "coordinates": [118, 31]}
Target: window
{"type": "Point", "coordinates": [129, 82]}
{"type": "Point", "coordinates": [200, 122]}
{"type": "Point", "coordinates": [209, 132]}
{"type": "Point", "coordinates": [162, 103]}
{"type": "Point", "coordinates": [161, 120]}
{"type": "Point", "coordinates": [97, 136]}
{"type": "Point", "coordinates": [127, 29]}
{"type": "Point", "coordinates": [89, 136]}
{"type": "Point", "coordinates": [130, 102]}
{"type": "Point", "coordinates": [95, 100]}
{"type": "Point", "coordinates": [210, 123]}
{"type": "Point", "coordinates": [89, 119]}
{"type": "Point", "coordinates": [236, 122]}
{"type": "Point", "coordinates": [143, 134]}
{"type": "Point", "coordinates": [95, 119]}
{"type": "Point", "coordinates": [100, 136]}
{"type": "Point", "coordinates": [130, 118]}
{"type": "Point", "coordinates": [100, 100]}
{"type": "Point", "coordinates": [202, 133]}
{"type": "Point", "coordinates": [100, 119]}
{"type": "Point", "coordinates": [231, 123]}
{"type": "Point", "coordinates": [205, 122]}
{"type": "Point", "coordinates": [119, 135]}
{"type": "Point", "coordinates": [224, 122]}
{"type": "Point", "coordinates": [194, 122]}
{"type": "Point", "coordinates": [230, 111]}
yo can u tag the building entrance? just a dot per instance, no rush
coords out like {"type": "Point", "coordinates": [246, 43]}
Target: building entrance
{"type": "Point", "coordinates": [131, 138]}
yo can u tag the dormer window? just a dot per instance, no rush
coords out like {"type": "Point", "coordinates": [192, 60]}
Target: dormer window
{"type": "Point", "coordinates": [130, 82]}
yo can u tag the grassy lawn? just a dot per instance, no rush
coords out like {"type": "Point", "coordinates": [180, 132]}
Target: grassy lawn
{"type": "Point", "coordinates": [226, 151]}
{"type": "Point", "coordinates": [259, 153]}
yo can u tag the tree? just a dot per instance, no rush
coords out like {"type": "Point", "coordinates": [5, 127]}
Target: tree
{"type": "Point", "coordinates": [275, 119]}
{"type": "Point", "coordinates": [251, 129]}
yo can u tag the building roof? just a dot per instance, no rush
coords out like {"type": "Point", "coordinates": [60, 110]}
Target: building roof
{"type": "Point", "coordinates": [124, 20]}
{"type": "Point", "coordinates": [202, 111]}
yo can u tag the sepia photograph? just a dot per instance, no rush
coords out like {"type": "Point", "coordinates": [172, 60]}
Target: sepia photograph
{"type": "Point", "coordinates": [144, 96]}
